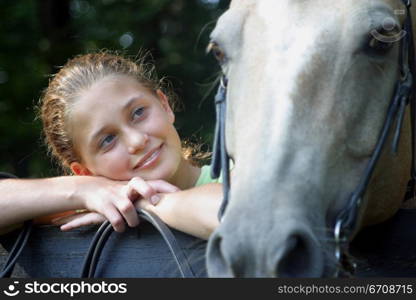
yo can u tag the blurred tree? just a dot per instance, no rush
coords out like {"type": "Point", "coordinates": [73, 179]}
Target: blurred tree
{"type": "Point", "coordinates": [38, 36]}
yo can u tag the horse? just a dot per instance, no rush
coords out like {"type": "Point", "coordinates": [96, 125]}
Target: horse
{"type": "Point", "coordinates": [309, 89]}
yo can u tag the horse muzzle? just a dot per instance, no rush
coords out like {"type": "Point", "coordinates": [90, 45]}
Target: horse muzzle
{"type": "Point", "coordinates": [292, 252]}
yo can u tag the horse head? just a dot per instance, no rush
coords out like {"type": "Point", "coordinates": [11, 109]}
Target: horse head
{"type": "Point", "coordinates": [309, 86]}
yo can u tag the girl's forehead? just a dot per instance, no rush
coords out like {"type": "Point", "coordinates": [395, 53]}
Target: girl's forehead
{"type": "Point", "coordinates": [117, 83]}
{"type": "Point", "coordinates": [112, 90]}
{"type": "Point", "coordinates": [106, 100]}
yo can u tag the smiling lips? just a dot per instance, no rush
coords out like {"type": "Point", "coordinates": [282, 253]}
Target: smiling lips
{"type": "Point", "coordinates": [150, 158]}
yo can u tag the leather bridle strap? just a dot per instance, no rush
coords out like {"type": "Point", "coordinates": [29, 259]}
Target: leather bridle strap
{"type": "Point", "coordinates": [104, 232]}
{"type": "Point", "coordinates": [346, 221]}
{"type": "Point", "coordinates": [17, 249]}
{"type": "Point", "coordinates": [220, 159]}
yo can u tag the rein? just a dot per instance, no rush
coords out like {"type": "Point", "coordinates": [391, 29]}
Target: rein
{"type": "Point", "coordinates": [17, 249]}
{"type": "Point", "coordinates": [346, 221]}
{"type": "Point", "coordinates": [103, 233]}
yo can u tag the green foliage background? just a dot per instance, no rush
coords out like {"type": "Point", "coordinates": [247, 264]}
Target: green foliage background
{"type": "Point", "coordinates": [37, 36]}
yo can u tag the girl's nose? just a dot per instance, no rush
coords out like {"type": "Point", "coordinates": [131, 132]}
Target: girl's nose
{"type": "Point", "coordinates": [136, 141]}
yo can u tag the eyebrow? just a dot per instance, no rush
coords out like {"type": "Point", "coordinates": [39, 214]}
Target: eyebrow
{"type": "Point", "coordinates": [125, 107]}
{"type": "Point", "coordinates": [129, 102]}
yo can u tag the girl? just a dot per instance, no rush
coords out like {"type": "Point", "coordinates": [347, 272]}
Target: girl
{"type": "Point", "coordinates": [105, 117]}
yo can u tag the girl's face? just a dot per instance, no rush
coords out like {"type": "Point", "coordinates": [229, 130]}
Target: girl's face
{"type": "Point", "coordinates": [122, 129]}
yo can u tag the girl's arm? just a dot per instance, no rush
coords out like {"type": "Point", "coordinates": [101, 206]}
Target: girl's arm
{"type": "Point", "coordinates": [24, 199]}
{"type": "Point", "coordinates": [193, 211]}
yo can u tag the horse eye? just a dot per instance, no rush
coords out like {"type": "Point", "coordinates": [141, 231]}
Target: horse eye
{"type": "Point", "coordinates": [380, 46]}
{"type": "Point", "coordinates": [217, 52]}
{"type": "Point", "coordinates": [382, 40]}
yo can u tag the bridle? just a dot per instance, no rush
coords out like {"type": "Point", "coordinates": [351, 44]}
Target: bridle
{"type": "Point", "coordinates": [106, 229]}
{"type": "Point", "coordinates": [346, 221]}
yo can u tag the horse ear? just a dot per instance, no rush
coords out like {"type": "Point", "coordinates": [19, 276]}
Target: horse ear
{"type": "Point", "coordinates": [79, 169]}
{"type": "Point", "coordinates": [166, 106]}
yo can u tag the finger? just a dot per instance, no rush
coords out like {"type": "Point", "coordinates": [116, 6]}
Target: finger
{"type": "Point", "coordinates": [132, 194]}
{"type": "Point", "coordinates": [128, 212]}
{"type": "Point", "coordinates": [141, 187]}
{"type": "Point", "coordinates": [162, 186]}
{"type": "Point", "coordinates": [84, 220]}
{"type": "Point", "coordinates": [112, 214]}
{"type": "Point", "coordinates": [144, 204]}
{"type": "Point", "coordinates": [155, 199]}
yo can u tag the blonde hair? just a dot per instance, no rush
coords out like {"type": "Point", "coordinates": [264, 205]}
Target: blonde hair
{"type": "Point", "coordinates": [77, 75]}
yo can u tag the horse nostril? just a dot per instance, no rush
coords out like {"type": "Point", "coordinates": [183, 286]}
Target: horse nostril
{"type": "Point", "coordinates": [217, 264]}
{"type": "Point", "coordinates": [300, 257]}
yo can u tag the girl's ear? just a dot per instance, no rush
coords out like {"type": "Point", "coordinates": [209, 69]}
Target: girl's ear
{"type": "Point", "coordinates": [79, 169]}
{"type": "Point", "coordinates": [165, 103]}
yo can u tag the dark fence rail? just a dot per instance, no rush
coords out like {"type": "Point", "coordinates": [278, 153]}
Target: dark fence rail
{"type": "Point", "coordinates": [139, 252]}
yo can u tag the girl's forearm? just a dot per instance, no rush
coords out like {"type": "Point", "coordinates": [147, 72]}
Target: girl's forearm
{"type": "Point", "coordinates": [24, 199]}
{"type": "Point", "coordinates": [193, 211]}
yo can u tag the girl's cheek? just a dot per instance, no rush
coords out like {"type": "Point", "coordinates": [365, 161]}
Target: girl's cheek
{"type": "Point", "coordinates": [115, 160]}
{"type": "Point", "coordinates": [158, 126]}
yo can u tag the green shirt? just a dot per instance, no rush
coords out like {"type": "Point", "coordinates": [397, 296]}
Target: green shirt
{"type": "Point", "coordinates": [205, 176]}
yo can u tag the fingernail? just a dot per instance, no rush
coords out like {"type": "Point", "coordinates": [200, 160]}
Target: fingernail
{"type": "Point", "coordinates": [154, 199]}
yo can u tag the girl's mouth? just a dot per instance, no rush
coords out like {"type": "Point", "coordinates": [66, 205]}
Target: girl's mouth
{"type": "Point", "coordinates": [150, 158]}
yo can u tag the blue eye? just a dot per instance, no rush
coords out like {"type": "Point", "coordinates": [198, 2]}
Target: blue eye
{"type": "Point", "coordinates": [107, 140]}
{"type": "Point", "coordinates": [137, 113]}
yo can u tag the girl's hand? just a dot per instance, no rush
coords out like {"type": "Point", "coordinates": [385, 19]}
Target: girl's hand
{"type": "Point", "coordinates": [152, 192]}
{"type": "Point", "coordinates": [107, 198]}
{"type": "Point", "coordinates": [78, 220]}
{"type": "Point", "coordinates": [114, 199]}
{"type": "Point", "coordinates": [137, 188]}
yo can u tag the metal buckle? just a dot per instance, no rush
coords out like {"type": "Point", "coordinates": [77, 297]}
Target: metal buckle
{"type": "Point", "coordinates": [223, 81]}
{"type": "Point", "coordinates": [344, 227]}
{"type": "Point", "coordinates": [220, 96]}
{"type": "Point", "coordinates": [337, 238]}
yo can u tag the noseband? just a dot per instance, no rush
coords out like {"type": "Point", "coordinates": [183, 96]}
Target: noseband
{"type": "Point", "coordinates": [346, 221]}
